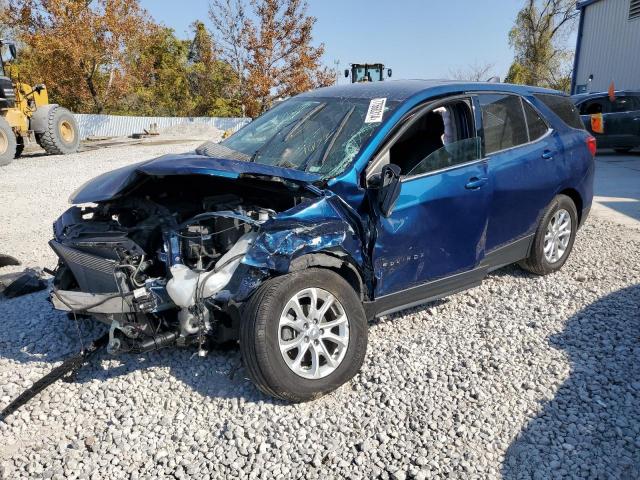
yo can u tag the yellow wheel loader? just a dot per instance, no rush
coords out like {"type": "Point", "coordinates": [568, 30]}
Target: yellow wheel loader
{"type": "Point", "coordinates": [26, 115]}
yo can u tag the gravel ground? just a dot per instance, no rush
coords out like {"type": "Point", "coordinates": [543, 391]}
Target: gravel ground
{"type": "Point", "coordinates": [523, 377]}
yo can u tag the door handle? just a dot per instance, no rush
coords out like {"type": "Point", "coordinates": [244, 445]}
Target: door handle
{"type": "Point", "coordinates": [475, 183]}
{"type": "Point", "coordinates": [547, 154]}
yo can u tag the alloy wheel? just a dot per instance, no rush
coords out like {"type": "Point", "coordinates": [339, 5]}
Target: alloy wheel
{"type": "Point", "coordinates": [313, 333]}
{"type": "Point", "coordinates": [557, 236]}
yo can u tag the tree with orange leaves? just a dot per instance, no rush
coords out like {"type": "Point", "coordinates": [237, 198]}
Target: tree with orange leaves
{"type": "Point", "coordinates": [273, 55]}
{"type": "Point", "coordinates": [86, 51]}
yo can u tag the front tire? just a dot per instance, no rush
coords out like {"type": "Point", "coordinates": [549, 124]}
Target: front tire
{"type": "Point", "coordinates": [62, 135]}
{"type": "Point", "coordinates": [8, 143]}
{"type": "Point", "coordinates": [553, 240]}
{"type": "Point", "coordinates": [303, 335]}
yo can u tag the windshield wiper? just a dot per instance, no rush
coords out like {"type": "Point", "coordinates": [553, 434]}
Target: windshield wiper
{"type": "Point", "coordinates": [294, 127]}
{"type": "Point", "coordinates": [333, 136]}
{"type": "Point", "coordinates": [302, 121]}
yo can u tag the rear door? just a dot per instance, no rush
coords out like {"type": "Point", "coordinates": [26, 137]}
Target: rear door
{"type": "Point", "coordinates": [521, 150]}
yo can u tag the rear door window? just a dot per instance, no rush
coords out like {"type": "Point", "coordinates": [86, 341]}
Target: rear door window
{"type": "Point", "coordinates": [537, 126]}
{"type": "Point", "coordinates": [564, 108]}
{"type": "Point", "coordinates": [503, 122]}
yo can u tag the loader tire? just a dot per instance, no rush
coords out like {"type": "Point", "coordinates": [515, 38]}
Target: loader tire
{"type": "Point", "coordinates": [62, 135]}
{"type": "Point", "coordinates": [7, 143]}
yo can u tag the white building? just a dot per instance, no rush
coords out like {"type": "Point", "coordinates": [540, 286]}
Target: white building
{"type": "Point", "coordinates": [608, 46]}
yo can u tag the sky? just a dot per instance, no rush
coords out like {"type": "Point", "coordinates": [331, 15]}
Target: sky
{"type": "Point", "coordinates": [416, 38]}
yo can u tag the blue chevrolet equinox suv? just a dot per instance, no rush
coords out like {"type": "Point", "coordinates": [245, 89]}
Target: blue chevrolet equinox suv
{"type": "Point", "coordinates": [334, 207]}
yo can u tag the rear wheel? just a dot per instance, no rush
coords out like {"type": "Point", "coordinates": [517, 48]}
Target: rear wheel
{"type": "Point", "coordinates": [7, 142]}
{"type": "Point", "coordinates": [62, 135]}
{"type": "Point", "coordinates": [554, 237]}
{"type": "Point", "coordinates": [303, 335]}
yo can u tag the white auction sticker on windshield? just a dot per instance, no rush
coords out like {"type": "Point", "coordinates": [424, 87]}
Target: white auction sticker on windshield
{"type": "Point", "coordinates": [376, 110]}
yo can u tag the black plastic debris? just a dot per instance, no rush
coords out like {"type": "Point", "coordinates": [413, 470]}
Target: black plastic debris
{"type": "Point", "coordinates": [30, 281]}
{"type": "Point", "coordinates": [8, 260]}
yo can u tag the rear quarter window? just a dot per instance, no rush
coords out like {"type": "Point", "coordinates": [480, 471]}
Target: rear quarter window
{"type": "Point", "coordinates": [563, 107]}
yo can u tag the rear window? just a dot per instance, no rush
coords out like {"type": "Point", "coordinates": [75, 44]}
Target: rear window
{"type": "Point", "coordinates": [563, 107]}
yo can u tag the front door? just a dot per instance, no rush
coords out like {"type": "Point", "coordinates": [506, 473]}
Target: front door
{"type": "Point", "coordinates": [437, 228]}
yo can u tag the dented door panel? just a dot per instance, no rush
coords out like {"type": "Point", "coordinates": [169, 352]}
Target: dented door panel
{"type": "Point", "coordinates": [437, 228]}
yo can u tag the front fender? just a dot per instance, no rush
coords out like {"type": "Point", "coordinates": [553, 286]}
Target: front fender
{"type": "Point", "coordinates": [301, 236]}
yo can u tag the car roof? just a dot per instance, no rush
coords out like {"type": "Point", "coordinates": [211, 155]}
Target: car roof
{"type": "Point", "coordinates": [583, 96]}
{"type": "Point", "coordinates": [400, 90]}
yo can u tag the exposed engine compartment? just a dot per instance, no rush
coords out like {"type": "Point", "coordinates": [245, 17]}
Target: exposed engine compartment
{"type": "Point", "coordinates": [152, 262]}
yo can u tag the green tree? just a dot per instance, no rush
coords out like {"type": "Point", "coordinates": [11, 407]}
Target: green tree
{"type": "Point", "coordinates": [164, 88]}
{"type": "Point", "coordinates": [539, 39]}
{"type": "Point", "coordinates": [212, 81]}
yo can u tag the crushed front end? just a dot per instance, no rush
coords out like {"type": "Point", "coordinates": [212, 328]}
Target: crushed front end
{"type": "Point", "coordinates": [159, 261]}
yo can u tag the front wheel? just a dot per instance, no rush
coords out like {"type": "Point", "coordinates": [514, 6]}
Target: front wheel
{"type": "Point", "coordinates": [554, 237]}
{"type": "Point", "coordinates": [303, 335]}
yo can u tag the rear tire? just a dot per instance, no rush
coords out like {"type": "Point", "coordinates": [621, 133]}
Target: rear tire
{"type": "Point", "coordinates": [8, 143]}
{"type": "Point", "coordinates": [62, 135]}
{"type": "Point", "coordinates": [554, 237]}
{"type": "Point", "coordinates": [298, 373]}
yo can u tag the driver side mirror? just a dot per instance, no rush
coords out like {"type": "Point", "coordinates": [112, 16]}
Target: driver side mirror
{"type": "Point", "coordinates": [389, 189]}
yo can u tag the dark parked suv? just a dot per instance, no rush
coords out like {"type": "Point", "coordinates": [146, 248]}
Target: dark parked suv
{"type": "Point", "coordinates": [334, 207]}
{"type": "Point", "coordinates": [620, 118]}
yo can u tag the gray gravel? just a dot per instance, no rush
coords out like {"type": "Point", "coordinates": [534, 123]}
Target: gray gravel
{"type": "Point", "coordinates": [523, 377]}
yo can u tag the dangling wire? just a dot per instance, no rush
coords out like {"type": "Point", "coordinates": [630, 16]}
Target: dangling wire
{"type": "Point", "coordinates": [81, 340]}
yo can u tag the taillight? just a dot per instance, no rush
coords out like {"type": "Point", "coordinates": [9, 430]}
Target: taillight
{"type": "Point", "coordinates": [591, 145]}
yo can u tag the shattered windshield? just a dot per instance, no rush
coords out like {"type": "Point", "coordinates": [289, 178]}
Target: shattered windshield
{"type": "Point", "coordinates": [317, 135]}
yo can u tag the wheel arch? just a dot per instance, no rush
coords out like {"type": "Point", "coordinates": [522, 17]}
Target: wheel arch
{"type": "Point", "coordinates": [340, 265]}
{"type": "Point", "coordinates": [576, 198]}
